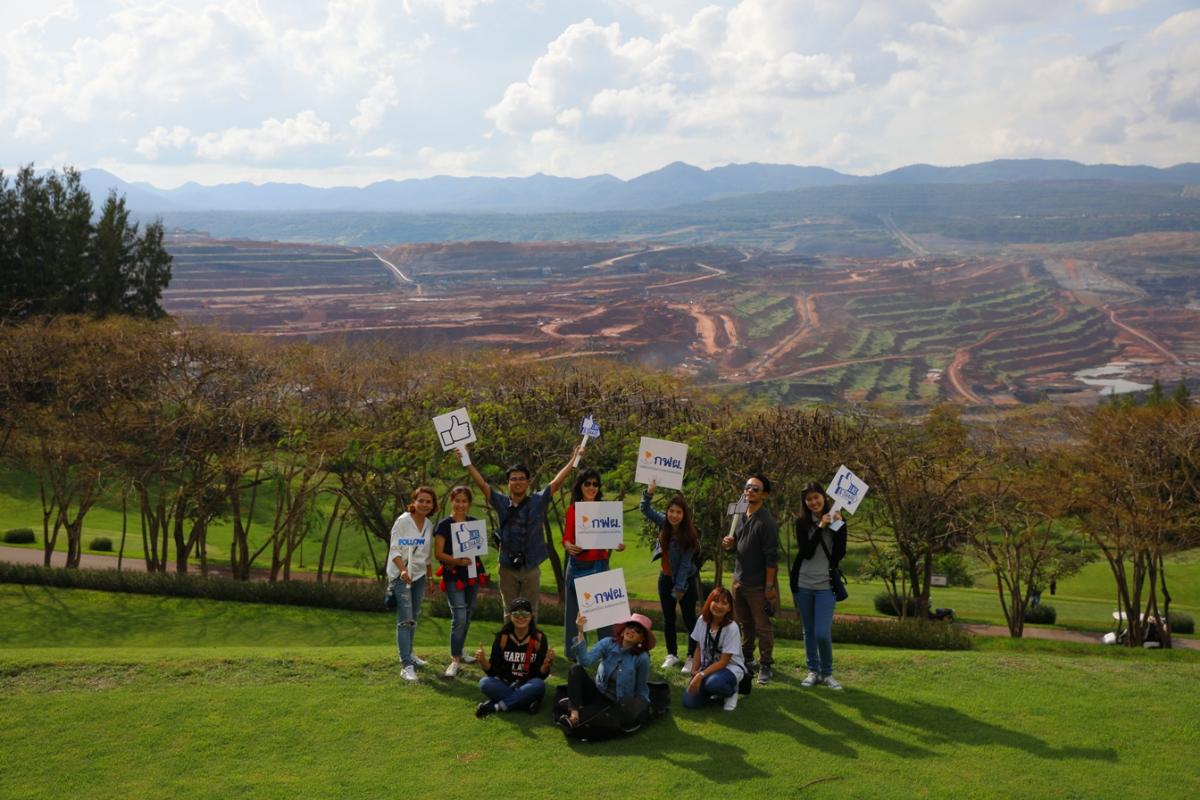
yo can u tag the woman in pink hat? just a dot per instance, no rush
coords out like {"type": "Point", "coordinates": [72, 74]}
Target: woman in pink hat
{"type": "Point", "coordinates": [618, 699]}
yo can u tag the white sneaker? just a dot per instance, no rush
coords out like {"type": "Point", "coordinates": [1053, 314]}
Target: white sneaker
{"type": "Point", "coordinates": [810, 680]}
{"type": "Point", "coordinates": [670, 661]}
{"type": "Point", "coordinates": [831, 682]}
{"type": "Point", "coordinates": [731, 702]}
{"type": "Point", "coordinates": [409, 674]}
{"type": "Point", "coordinates": [451, 670]}
{"type": "Point", "coordinates": [420, 662]}
{"type": "Point", "coordinates": [467, 658]}
{"type": "Point", "coordinates": [686, 669]}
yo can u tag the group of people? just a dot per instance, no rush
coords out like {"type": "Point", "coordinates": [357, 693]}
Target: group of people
{"type": "Point", "coordinates": [721, 640]}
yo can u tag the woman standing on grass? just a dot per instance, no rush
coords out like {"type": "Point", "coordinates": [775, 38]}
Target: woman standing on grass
{"type": "Point", "coordinates": [517, 668]}
{"type": "Point", "coordinates": [819, 550]}
{"type": "Point", "coordinates": [410, 572]}
{"type": "Point", "coordinates": [581, 562]}
{"type": "Point", "coordinates": [718, 665]}
{"type": "Point", "coordinates": [678, 580]}
{"type": "Point", "coordinates": [460, 588]}
{"type": "Point", "coordinates": [618, 700]}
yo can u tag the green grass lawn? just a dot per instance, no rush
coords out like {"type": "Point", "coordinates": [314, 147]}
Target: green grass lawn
{"type": "Point", "coordinates": [120, 696]}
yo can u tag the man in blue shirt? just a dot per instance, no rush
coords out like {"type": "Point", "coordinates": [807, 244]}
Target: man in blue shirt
{"type": "Point", "coordinates": [522, 543]}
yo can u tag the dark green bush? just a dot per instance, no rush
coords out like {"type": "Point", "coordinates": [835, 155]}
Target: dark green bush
{"type": "Point", "coordinates": [885, 605]}
{"type": "Point", "coordinates": [1181, 623]}
{"type": "Point", "coordinates": [913, 634]}
{"type": "Point", "coordinates": [19, 536]}
{"type": "Point", "coordinates": [102, 544]}
{"type": "Point", "coordinates": [1043, 614]}
{"type": "Point", "coordinates": [955, 567]}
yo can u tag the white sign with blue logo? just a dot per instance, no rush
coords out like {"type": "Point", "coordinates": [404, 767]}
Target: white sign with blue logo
{"type": "Point", "coordinates": [602, 598]}
{"type": "Point", "coordinates": [847, 491]}
{"type": "Point", "coordinates": [599, 526]}
{"type": "Point", "coordinates": [662, 462]}
{"type": "Point", "coordinates": [469, 540]}
{"type": "Point", "coordinates": [589, 427]}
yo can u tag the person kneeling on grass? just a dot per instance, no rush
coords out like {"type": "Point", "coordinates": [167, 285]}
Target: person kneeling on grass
{"type": "Point", "coordinates": [718, 664]}
{"type": "Point", "coordinates": [517, 668]}
{"type": "Point", "coordinates": [618, 700]}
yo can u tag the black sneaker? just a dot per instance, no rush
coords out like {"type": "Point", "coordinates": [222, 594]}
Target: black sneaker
{"type": "Point", "coordinates": [535, 706]}
{"type": "Point", "coordinates": [765, 673]}
{"type": "Point", "coordinates": [485, 709]}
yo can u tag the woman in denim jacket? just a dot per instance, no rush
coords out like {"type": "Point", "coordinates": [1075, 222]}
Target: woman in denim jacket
{"type": "Point", "coordinates": [678, 581]}
{"type": "Point", "coordinates": [618, 700]}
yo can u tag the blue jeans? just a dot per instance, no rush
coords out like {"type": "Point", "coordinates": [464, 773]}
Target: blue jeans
{"type": "Point", "coordinates": [408, 608]}
{"type": "Point", "coordinates": [514, 699]}
{"type": "Point", "coordinates": [687, 605]}
{"type": "Point", "coordinates": [579, 569]}
{"type": "Point", "coordinates": [718, 686]}
{"type": "Point", "coordinates": [815, 607]}
{"type": "Point", "coordinates": [462, 605]}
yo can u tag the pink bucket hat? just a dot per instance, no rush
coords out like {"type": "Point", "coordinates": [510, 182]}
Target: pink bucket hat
{"type": "Point", "coordinates": [643, 622]}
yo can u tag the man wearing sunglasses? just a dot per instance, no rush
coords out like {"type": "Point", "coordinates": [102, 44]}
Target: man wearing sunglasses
{"type": "Point", "coordinates": [755, 591]}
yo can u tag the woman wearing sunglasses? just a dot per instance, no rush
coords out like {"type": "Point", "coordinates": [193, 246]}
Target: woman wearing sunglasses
{"type": "Point", "coordinates": [581, 562]}
{"type": "Point", "coordinates": [678, 580]}
{"type": "Point", "coordinates": [517, 668]}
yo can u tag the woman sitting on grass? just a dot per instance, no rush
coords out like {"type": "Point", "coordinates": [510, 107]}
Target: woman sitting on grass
{"type": "Point", "coordinates": [678, 579]}
{"type": "Point", "coordinates": [718, 664]}
{"type": "Point", "coordinates": [518, 666]}
{"type": "Point", "coordinates": [618, 700]}
{"type": "Point", "coordinates": [460, 588]}
{"type": "Point", "coordinates": [410, 573]}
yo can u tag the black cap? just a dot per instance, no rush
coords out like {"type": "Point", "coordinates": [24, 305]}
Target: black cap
{"type": "Point", "coordinates": [520, 604]}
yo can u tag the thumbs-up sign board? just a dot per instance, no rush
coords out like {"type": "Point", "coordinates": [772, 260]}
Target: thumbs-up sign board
{"type": "Point", "coordinates": [454, 429]}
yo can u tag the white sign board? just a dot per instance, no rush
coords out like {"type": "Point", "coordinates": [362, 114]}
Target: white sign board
{"type": "Point", "coordinates": [454, 429]}
{"type": "Point", "coordinates": [599, 526]}
{"type": "Point", "coordinates": [602, 598]}
{"type": "Point", "coordinates": [847, 489]}
{"type": "Point", "coordinates": [662, 462]}
{"type": "Point", "coordinates": [589, 427]}
{"type": "Point", "coordinates": [469, 540]}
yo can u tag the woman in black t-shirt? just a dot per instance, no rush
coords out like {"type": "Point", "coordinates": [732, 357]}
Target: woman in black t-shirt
{"type": "Point", "coordinates": [518, 665]}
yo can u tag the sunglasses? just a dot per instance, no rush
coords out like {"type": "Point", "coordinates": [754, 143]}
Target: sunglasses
{"type": "Point", "coordinates": [593, 484]}
{"type": "Point", "coordinates": [521, 614]}
{"type": "Point", "coordinates": [753, 489]}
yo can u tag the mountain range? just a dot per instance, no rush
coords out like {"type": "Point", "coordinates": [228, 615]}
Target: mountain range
{"type": "Point", "coordinates": [673, 185]}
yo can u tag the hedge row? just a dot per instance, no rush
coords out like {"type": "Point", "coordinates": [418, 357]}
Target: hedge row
{"type": "Point", "coordinates": [365, 596]}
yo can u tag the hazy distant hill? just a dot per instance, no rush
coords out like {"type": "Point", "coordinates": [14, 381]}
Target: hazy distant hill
{"type": "Point", "coordinates": [673, 185]}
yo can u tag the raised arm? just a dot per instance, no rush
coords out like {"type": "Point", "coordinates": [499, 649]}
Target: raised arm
{"type": "Point", "coordinates": [557, 483]}
{"type": "Point", "coordinates": [473, 471]}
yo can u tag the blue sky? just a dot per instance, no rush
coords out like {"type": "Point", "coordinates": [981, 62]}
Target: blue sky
{"type": "Point", "coordinates": [346, 93]}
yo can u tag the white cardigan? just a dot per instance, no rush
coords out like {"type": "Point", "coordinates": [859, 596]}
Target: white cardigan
{"type": "Point", "coordinates": [412, 545]}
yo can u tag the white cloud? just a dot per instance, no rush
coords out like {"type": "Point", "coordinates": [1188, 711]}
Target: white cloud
{"type": "Point", "coordinates": [161, 140]}
{"type": "Point", "coordinates": [270, 140]}
{"type": "Point", "coordinates": [456, 13]}
{"type": "Point", "coordinates": [371, 109]}
{"type": "Point", "coordinates": [29, 128]}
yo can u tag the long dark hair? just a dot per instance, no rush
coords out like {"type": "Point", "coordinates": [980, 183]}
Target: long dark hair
{"type": "Point", "coordinates": [686, 530]}
{"type": "Point", "coordinates": [511, 629]}
{"type": "Point", "coordinates": [815, 488]}
{"type": "Point", "coordinates": [577, 487]}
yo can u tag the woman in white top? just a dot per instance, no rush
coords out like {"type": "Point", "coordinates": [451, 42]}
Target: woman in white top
{"type": "Point", "coordinates": [410, 572]}
{"type": "Point", "coordinates": [717, 663]}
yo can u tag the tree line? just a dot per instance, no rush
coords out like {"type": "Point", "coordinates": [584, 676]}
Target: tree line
{"type": "Point", "coordinates": [58, 257]}
{"type": "Point", "coordinates": [188, 426]}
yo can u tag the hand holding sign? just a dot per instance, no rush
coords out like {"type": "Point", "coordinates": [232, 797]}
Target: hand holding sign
{"type": "Point", "coordinates": [847, 491]}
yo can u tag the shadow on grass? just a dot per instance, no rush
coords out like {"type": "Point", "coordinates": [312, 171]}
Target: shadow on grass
{"type": "Point", "coordinates": [931, 725]}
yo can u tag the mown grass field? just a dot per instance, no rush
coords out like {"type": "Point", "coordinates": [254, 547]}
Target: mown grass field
{"type": "Point", "coordinates": [112, 695]}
